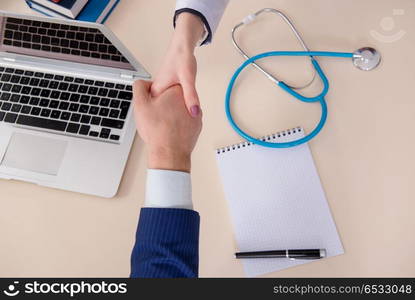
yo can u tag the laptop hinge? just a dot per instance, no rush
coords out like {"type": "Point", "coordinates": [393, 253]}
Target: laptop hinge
{"type": "Point", "coordinates": [9, 59]}
{"type": "Point", "coordinates": [126, 76]}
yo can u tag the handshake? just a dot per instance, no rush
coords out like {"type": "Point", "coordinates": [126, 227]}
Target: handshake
{"type": "Point", "coordinates": [167, 127]}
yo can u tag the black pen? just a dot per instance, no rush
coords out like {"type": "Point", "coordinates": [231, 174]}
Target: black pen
{"type": "Point", "coordinates": [291, 254]}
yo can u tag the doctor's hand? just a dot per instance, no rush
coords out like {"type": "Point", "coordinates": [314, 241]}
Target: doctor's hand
{"type": "Point", "coordinates": [166, 126]}
{"type": "Point", "coordinates": [180, 66]}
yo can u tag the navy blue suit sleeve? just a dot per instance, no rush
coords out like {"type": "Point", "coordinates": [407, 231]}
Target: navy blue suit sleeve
{"type": "Point", "coordinates": [167, 244]}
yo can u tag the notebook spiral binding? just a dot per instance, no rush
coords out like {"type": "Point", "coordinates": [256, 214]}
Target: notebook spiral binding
{"type": "Point", "coordinates": [264, 138]}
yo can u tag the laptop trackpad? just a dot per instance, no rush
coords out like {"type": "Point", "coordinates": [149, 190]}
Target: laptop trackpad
{"type": "Point", "coordinates": [34, 153]}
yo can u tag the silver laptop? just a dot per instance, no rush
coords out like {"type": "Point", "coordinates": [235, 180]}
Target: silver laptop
{"type": "Point", "coordinates": [65, 104]}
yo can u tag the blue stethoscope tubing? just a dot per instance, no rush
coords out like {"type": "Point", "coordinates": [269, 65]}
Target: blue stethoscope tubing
{"type": "Point", "coordinates": [319, 98]}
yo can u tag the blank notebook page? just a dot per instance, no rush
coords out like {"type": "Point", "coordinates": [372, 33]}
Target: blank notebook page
{"type": "Point", "coordinates": [276, 202]}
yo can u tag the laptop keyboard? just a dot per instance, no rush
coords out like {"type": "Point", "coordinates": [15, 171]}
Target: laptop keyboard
{"type": "Point", "coordinates": [69, 105]}
{"type": "Point", "coordinates": [60, 38]}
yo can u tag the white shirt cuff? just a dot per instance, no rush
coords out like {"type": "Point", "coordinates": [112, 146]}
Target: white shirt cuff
{"type": "Point", "coordinates": [212, 10]}
{"type": "Point", "coordinates": [168, 189]}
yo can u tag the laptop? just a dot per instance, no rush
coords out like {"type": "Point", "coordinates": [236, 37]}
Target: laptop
{"type": "Point", "coordinates": [65, 104]}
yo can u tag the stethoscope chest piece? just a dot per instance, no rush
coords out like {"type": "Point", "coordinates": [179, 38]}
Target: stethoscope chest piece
{"type": "Point", "coordinates": [366, 58]}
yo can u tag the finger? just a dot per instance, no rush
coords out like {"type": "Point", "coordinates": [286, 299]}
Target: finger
{"type": "Point", "coordinates": [191, 99]}
{"type": "Point", "coordinates": [141, 91]}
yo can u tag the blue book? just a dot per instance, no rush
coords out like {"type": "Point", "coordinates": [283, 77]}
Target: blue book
{"type": "Point", "coordinates": [67, 8]}
{"type": "Point", "coordinates": [96, 11]}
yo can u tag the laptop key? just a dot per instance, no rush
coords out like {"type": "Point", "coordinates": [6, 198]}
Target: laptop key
{"type": "Point", "coordinates": [83, 89]}
{"type": "Point", "coordinates": [84, 109]}
{"type": "Point", "coordinates": [74, 97]}
{"type": "Point", "coordinates": [6, 87]}
{"type": "Point", "coordinates": [6, 106]}
{"type": "Point", "coordinates": [10, 118]}
{"type": "Point", "coordinates": [55, 114]}
{"type": "Point", "coordinates": [41, 122]}
{"type": "Point", "coordinates": [16, 89]}
{"type": "Point", "coordinates": [84, 129]}
{"type": "Point", "coordinates": [53, 84]}
{"type": "Point", "coordinates": [104, 102]}
{"type": "Point", "coordinates": [15, 79]}
{"type": "Point", "coordinates": [26, 90]}
{"type": "Point", "coordinates": [2, 115]}
{"type": "Point", "coordinates": [94, 133]}
{"type": "Point", "coordinates": [84, 99]}
{"type": "Point", "coordinates": [24, 99]}
{"type": "Point", "coordinates": [114, 137]}
{"type": "Point", "coordinates": [65, 115]}
{"type": "Point", "coordinates": [44, 103]}
{"type": "Point", "coordinates": [114, 113]}
{"type": "Point", "coordinates": [26, 109]}
{"type": "Point", "coordinates": [92, 90]}
{"type": "Point", "coordinates": [125, 95]}
{"type": "Point", "coordinates": [35, 111]}
{"type": "Point", "coordinates": [115, 103]}
{"type": "Point", "coordinates": [24, 80]}
{"type": "Point", "coordinates": [35, 92]}
{"type": "Point", "coordinates": [5, 96]}
{"type": "Point", "coordinates": [16, 108]}
{"type": "Point", "coordinates": [102, 92]}
{"type": "Point", "coordinates": [73, 128]}
{"type": "Point", "coordinates": [86, 119]}
{"type": "Point", "coordinates": [93, 110]}
{"type": "Point", "coordinates": [45, 112]}
{"type": "Point", "coordinates": [34, 101]}
{"type": "Point", "coordinates": [96, 121]}
{"type": "Point", "coordinates": [63, 86]}
{"type": "Point", "coordinates": [94, 101]}
{"type": "Point", "coordinates": [55, 94]}
{"type": "Point", "coordinates": [44, 83]}
{"type": "Point", "coordinates": [74, 107]}
{"type": "Point", "coordinates": [105, 133]}
{"type": "Point", "coordinates": [113, 94]}
{"type": "Point", "coordinates": [112, 123]}
{"type": "Point", "coordinates": [104, 112]}
{"type": "Point", "coordinates": [75, 117]}
{"type": "Point", "coordinates": [73, 88]}
{"type": "Point", "coordinates": [65, 96]}
{"type": "Point", "coordinates": [54, 104]}
{"type": "Point", "coordinates": [15, 98]}
{"type": "Point", "coordinates": [63, 105]}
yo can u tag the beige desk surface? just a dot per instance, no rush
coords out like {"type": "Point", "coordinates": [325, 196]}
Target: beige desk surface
{"type": "Point", "coordinates": [365, 154]}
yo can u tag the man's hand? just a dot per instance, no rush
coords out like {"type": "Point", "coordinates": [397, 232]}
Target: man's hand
{"type": "Point", "coordinates": [179, 66]}
{"type": "Point", "coordinates": [166, 127]}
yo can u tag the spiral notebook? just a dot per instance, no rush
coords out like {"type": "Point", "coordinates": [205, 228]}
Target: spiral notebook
{"type": "Point", "coordinates": [276, 201]}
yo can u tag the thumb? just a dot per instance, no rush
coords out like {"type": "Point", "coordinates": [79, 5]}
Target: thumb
{"type": "Point", "coordinates": [141, 91]}
{"type": "Point", "coordinates": [160, 84]}
{"type": "Point", "coordinates": [191, 98]}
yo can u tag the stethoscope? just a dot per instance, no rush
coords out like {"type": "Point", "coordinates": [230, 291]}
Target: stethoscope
{"type": "Point", "coordinates": [364, 58]}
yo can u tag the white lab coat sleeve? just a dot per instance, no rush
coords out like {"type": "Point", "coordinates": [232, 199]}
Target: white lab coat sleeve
{"type": "Point", "coordinates": [168, 189]}
{"type": "Point", "coordinates": [210, 11]}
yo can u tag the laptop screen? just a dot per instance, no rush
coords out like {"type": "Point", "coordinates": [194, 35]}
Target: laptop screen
{"type": "Point", "coordinates": [73, 43]}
